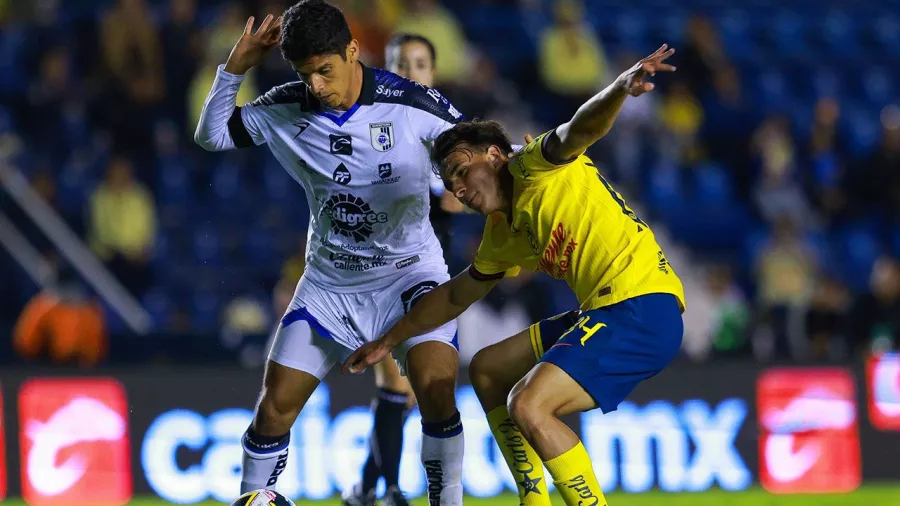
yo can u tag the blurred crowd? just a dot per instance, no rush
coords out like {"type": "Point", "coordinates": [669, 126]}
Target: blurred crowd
{"type": "Point", "coordinates": [771, 171]}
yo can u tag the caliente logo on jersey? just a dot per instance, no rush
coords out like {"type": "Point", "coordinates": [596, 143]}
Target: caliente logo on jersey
{"type": "Point", "coordinates": [382, 135]}
{"type": "Point", "coordinates": [352, 217]}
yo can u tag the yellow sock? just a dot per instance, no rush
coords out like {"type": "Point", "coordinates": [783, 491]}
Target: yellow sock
{"type": "Point", "coordinates": [574, 478]}
{"type": "Point", "coordinates": [525, 465]}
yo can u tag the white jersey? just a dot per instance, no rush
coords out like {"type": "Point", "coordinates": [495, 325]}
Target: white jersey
{"type": "Point", "coordinates": [366, 171]}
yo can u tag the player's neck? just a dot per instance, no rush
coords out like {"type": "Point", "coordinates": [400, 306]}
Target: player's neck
{"type": "Point", "coordinates": [355, 90]}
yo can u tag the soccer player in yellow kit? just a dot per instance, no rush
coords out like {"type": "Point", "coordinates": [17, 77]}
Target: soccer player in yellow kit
{"type": "Point", "coordinates": [549, 209]}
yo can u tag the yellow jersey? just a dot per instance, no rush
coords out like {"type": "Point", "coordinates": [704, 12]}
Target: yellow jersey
{"type": "Point", "coordinates": [569, 222]}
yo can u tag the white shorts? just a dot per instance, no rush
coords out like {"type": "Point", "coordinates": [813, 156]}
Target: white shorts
{"type": "Point", "coordinates": [321, 328]}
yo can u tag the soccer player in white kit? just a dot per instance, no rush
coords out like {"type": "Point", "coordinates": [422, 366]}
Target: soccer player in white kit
{"type": "Point", "coordinates": [355, 139]}
{"type": "Point", "coordinates": [413, 57]}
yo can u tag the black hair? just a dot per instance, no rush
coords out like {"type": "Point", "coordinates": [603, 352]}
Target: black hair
{"type": "Point", "coordinates": [313, 28]}
{"type": "Point", "coordinates": [398, 40]}
{"type": "Point", "coordinates": [477, 134]}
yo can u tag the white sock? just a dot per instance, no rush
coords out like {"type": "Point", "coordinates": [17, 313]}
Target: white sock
{"type": "Point", "coordinates": [264, 460]}
{"type": "Point", "coordinates": [442, 457]}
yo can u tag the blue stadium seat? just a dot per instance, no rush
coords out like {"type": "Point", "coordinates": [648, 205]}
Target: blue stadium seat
{"type": "Point", "coordinates": [857, 248]}
{"type": "Point", "coordinates": [205, 307]}
{"type": "Point", "coordinates": [735, 31]}
{"type": "Point", "coordinates": [878, 87]}
{"type": "Point", "coordinates": [885, 29]}
{"type": "Point", "coordinates": [207, 246]}
{"type": "Point", "coordinates": [837, 33]}
{"type": "Point", "coordinates": [664, 190]}
{"type": "Point", "coordinates": [226, 181]}
{"type": "Point", "coordinates": [173, 184]}
{"type": "Point", "coordinates": [772, 90]}
{"type": "Point", "coordinates": [157, 303]}
{"type": "Point", "coordinates": [630, 31]}
{"type": "Point", "coordinates": [787, 34]}
{"type": "Point", "coordinates": [826, 82]}
{"type": "Point", "coordinates": [862, 128]}
{"type": "Point", "coordinates": [259, 248]}
{"type": "Point", "coordinates": [712, 184]}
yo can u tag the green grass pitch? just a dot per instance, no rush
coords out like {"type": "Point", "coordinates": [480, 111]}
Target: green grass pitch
{"type": "Point", "coordinates": [869, 495]}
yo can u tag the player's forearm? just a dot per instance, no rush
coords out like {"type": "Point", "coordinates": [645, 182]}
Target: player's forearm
{"type": "Point", "coordinates": [593, 120]}
{"type": "Point", "coordinates": [434, 309]}
{"type": "Point", "coordinates": [212, 130]}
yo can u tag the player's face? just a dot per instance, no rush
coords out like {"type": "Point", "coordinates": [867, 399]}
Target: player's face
{"type": "Point", "coordinates": [329, 76]}
{"type": "Point", "coordinates": [473, 176]}
{"type": "Point", "coordinates": [413, 61]}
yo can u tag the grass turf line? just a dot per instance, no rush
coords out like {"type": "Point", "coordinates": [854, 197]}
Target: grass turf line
{"type": "Point", "coordinates": [869, 495]}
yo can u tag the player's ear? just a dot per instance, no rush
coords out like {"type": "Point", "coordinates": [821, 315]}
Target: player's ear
{"type": "Point", "coordinates": [352, 51]}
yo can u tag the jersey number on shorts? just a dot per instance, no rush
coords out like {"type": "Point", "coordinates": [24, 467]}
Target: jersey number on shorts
{"type": "Point", "coordinates": [588, 331]}
{"type": "Point", "coordinates": [621, 201]}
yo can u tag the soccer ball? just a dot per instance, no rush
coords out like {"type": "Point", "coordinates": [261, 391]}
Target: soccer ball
{"type": "Point", "coordinates": [262, 498]}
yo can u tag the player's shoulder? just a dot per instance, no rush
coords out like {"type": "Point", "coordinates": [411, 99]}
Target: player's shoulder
{"type": "Point", "coordinates": [532, 161]}
{"type": "Point", "coordinates": [295, 92]}
{"type": "Point", "coordinates": [389, 88]}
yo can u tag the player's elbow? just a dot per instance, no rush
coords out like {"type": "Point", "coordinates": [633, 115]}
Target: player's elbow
{"type": "Point", "coordinates": [204, 141]}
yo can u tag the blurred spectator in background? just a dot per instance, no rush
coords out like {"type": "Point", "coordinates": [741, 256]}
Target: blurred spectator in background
{"type": "Point", "coordinates": [875, 318]}
{"type": "Point", "coordinates": [133, 56]}
{"type": "Point", "coordinates": [727, 126]}
{"type": "Point", "coordinates": [701, 54]}
{"type": "Point", "coordinates": [363, 19]}
{"type": "Point", "coordinates": [718, 316]}
{"type": "Point", "coordinates": [634, 136]}
{"type": "Point", "coordinates": [571, 60]}
{"type": "Point", "coordinates": [875, 182]}
{"type": "Point", "coordinates": [430, 19]}
{"type": "Point", "coordinates": [182, 40]}
{"type": "Point", "coordinates": [778, 194]}
{"type": "Point", "coordinates": [227, 28]}
{"type": "Point", "coordinates": [786, 271]}
{"type": "Point", "coordinates": [682, 117]}
{"type": "Point", "coordinates": [62, 323]}
{"type": "Point", "coordinates": [123, 225]}
{"type": "Point", "coordinates": [47, 99]}
{"type": "Point", "coordinates": [826, 156]}
{"type": "Point", "coordinates": [730, 314]}
{"type": "Point", "coordinates": [826, 321]}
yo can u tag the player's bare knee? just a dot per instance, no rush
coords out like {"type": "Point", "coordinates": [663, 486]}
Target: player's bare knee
{"type": "Point", "coordinates": [437, 400]}
{"type": "Point", "coordinates": [274, 415]}
{"type": "Point", "coordinates": [483, 376]}
{"type": "Point", "coordinates": [525, 409]}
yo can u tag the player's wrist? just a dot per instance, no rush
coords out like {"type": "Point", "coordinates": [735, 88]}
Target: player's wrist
{"type": "Point", "coordinates": [235, 68]}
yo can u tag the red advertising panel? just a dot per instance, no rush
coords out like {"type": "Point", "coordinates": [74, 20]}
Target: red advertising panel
{"type": "Point", "coordinates": [809, 435]}
{"type": "Point", "coordinates": [883, 389]}
{"type": "Point", "coordinates": [74, 442]}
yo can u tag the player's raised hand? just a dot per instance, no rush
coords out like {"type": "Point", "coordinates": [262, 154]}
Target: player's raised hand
{"type": "Point", "coordinates": [366, 356]}
{"type": "Point", "coordinates": [252, 47]}
{"type": "Point", "coordinates": [634, 80]}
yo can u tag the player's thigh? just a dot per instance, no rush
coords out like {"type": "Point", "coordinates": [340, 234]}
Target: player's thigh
{"type": "Point", "coordinates": [387, 375]}
{"type": "Point", "coordinates": [496, 368]}
{"type": "Point", "coordinates": [298, 360]}
{"type": "Point", "coordinates": [285, 390]}
{"type": "Point", "coordinates": [431, 367]}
